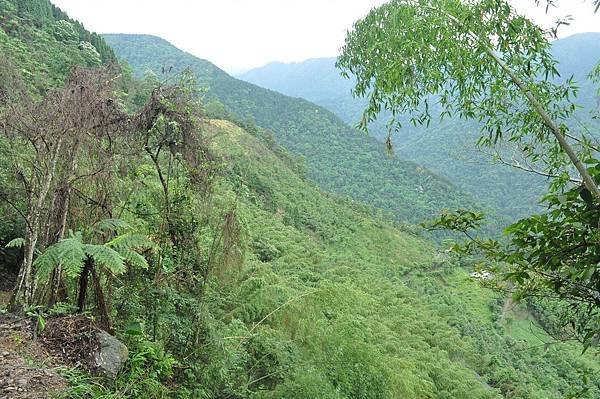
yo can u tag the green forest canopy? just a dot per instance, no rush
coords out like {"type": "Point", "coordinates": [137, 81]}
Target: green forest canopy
{"type": "Point", "coordinates": [263, 285]}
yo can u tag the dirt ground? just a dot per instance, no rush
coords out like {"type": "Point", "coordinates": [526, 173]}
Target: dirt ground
{"type": "Point", "coordinates": [26, 368]}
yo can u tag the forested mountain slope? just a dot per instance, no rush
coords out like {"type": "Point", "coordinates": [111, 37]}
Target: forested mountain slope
{"type": "Point", "coordinates": [291, 79]}
{"type": "Point", "coordinates": [262, 285]}
{"type": "Point", "coordinates": [447, 148]}
{"type": "Point", "coordinates": [411, 323]}
{"type": "Point", "coordinates": [340, 159]}
{"type": "Point", "coordinates": [45, 43]}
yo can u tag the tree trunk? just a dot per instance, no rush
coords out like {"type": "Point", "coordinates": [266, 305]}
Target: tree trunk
{"type": "Point", "coordinates": [101, 302]}
{"type": "Point", "coordinates": [24, 288]}
{"type": "Point", "coordinates": [62, 209]}
{"type": "Point", "coordinates": [20, 295]}
{"type": "Point", "coordinates": [83, 283]}
{"type": "Point", "coordinates": [586, 177]}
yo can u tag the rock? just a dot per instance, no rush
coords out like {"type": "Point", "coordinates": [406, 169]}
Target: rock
{"type": "Point", "coordinates": [21, 382]}
{"type": "Point", "coordinates": [111, 355]}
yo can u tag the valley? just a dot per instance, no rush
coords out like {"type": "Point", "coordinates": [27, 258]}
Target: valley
{"type": "Point", "coordinates": [242, 241]}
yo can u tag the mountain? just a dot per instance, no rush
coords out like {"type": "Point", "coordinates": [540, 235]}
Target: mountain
{"type": "Point", "coordinates": [45, 43]}
{"type": "Point", "coordinates": [447, 148]}
{"type": "Point", "coordinates": [291, 79]}
{"type": "Point", "coordinates": [337, 157]}
{"type": "Point", "coordinates": [409, 322]}
{"type": "Point", "coordinates": [279, 289]}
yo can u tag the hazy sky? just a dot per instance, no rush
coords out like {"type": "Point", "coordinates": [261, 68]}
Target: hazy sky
{"type": "Point", "coordinates": [242, 34]}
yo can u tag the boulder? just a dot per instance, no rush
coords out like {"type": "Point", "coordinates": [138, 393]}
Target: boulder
{"type": "Point", "coordinates": [110, 356]}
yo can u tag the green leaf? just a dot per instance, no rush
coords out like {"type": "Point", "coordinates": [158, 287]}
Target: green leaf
{"type": "Point", "coordinates": [117, 225]}
{"type": "Point", "coordinates": [130, 241]}
{"type": "Point", "coordinates": [106, 257]}
{"type": "Point", "coordinates": [16, 243]}
{"type": "Point", "coordinates": [136, 328]}
{"type": "Point", "coordinates": [46, 262]}
{"type": "Point", "coordinates": [41, 323]}
{"type": "Point", "coordinates": [68, 253]}
{"type": "Point", "coordinates": [71, 256]}
{"type": "Point", "coordinates": [134, 259]}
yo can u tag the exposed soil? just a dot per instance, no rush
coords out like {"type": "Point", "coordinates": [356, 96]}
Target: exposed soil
{"type": "Point", "coordinates": [28, 363]}
{"type": "Point", "coordinates": [26, 369]}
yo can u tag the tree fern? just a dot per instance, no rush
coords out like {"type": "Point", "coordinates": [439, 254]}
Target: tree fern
{"type": "Point", "coordinates": [129, 241]}
{"type": "Point", "coordinates": [113, 256]}
{"type": "Point", "coordinates": [134, 259]}
{"type": "Point", "coordinates": [67, 252]}
{"type": "Point", "coordinates": [16, 243]}
{"type": "Point", "coordinates": [106, 257]}
{"type": "Point", "coordinates": [71, 255]}
{"type": "Point", "coordinates": [47, 261]}
{"type": "Point", "coordinates": [127, 244]}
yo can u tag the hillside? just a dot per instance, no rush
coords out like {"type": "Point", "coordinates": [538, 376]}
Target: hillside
{"type": "Point", "coordinates": [428, 329]}
{"type": "Point", "coordinates": [291, 79]}
{"type": "Point", "coordinates": [446, 148]}
{"type": "Point", "coordinates": [225, 271]}
{"type": "Point", "coordinates": [45, 43]}
{"type": "Point", "coordinates": [337, 157]}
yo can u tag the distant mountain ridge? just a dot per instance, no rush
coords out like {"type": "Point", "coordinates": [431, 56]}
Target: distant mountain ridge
{"type": "Point", "coordinates": [338, 158]}
{"type": "Point", "coordinates": [317, 79]}
{"type": "Point", "coordinates": [446, 148]}
{"type": "Point", "coordinates": [44, 43]}
{"type": "Point", "coordinates": [291, 79]}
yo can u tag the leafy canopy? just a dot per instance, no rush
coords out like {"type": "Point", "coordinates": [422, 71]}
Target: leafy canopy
{"type": "Point", "coordinates": [476, 59]}
{"type": "Point", "coordinates": [480, 60]}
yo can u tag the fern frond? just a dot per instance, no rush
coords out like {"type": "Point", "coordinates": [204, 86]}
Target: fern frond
{"type": "Point", "coordinates": [129, 241]}
{"type": "Point", "coordinates": [134, 259]}
{"type": "Point", "coordinates": [71, 256]}
{"type": "Point", "coordinates": [16, 243]}
{"type": "Point", "coordinates": [107, 257]}
{"type": "Point", "coordinates": [45, 263]}
{"type": "Point", "coordinates": [116, 225]}
{"type": "Point", "coordinates": [68, 253]}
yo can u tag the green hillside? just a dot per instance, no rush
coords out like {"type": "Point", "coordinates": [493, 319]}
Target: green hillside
{"type": "Point", "coordinates": [291, 79]}
{"type": "Point", "coordinates": [225, 270]}
{"type": "Point", "coordinates": [429, 330]}
{"type": "Point", "coordinates": [447, 148]}
{"type": "Point", "coordinates": [337, 157]}
{"type": "Point", "coordinates": [45, 43]}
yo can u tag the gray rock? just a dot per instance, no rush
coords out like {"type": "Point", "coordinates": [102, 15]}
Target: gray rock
{"type": "Point", "coordinates": [111, 355]}
{"type": "Point", "coordinates": [21, 382]}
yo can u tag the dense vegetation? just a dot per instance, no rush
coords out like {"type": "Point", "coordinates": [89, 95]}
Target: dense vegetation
{"type": "Point", "coordinates": [225, 270]}
{"type": "Point", "coordinates": [337, 157]}
{"type": "Point", "coordinates": [32, 31]}
{"type": "Point", "coordinates": [484, 62]}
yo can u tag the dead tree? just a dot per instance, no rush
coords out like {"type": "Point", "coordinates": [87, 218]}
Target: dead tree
{"type": "Point", "coordinates": [53, 145]}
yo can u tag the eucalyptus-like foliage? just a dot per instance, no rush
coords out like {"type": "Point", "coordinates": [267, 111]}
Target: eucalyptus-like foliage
{"type": "Point", "coordinates": [15, 243]}
{"type": "Point", "coordinates": [552, 255]}
{"type": "Point", "coordinates": [477, 59]}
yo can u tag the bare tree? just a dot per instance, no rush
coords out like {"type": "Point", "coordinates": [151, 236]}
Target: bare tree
{"type": "Point", "coordinates": [56, 142]}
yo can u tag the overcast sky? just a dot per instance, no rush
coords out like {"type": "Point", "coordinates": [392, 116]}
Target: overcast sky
{"type": "Point", "coordinates": [242, 34]}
